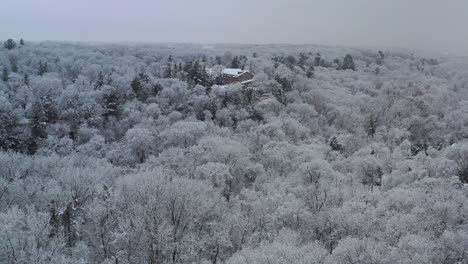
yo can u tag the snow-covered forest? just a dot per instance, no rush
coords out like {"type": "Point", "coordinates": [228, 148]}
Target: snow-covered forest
{"type": "Point", "coordinates": [139, 154]}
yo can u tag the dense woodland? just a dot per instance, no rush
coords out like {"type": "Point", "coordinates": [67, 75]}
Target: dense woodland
{"type": "Point", "coordinates": [134, 154]}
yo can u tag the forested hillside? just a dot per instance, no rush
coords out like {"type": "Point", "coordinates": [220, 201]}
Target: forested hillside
{"type": "Point", "coordinates": [135, 154]}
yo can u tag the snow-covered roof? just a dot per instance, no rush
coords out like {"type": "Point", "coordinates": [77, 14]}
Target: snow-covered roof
{"type": "Point", "coordinates": [233, 72]}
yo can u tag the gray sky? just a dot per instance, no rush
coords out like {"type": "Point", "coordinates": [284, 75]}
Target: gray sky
{"type": "Point", "coordinates": [425, 24]}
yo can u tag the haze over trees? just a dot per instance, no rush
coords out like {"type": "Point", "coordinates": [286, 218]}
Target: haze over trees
{"type": "Point", "coordinates": [135, 154]}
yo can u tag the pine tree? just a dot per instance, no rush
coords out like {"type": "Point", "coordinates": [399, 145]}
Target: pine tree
{"type": "Point", "coordinates": [5, 75]}
{"type": "Point", "coordinates": [197, 73]}
{"type": "Point", "coordinates": [204, 78]}
{"type": "Point", "coordinates": [8, 125]}
{"type": "Point", "coordinates": [14, 63]}
{"type": "Point", "coordinates": [21, 42]}
{"type": "Point", "coordinates": [156, 88]}
{"type": "Point", "coordinates": [138, 85]}
{"type": "Point", "coordinates": [318, 59]}
{"type": "Point", "coordinates": [381, 54]}
{"type": "Point", "coordinates": [168, 71]}
{"type": "Point", "coordinates": [285, 83]}
{"type": "Point", "coordinates": [381, 58]}
{"type": "Point", "coordinates": [291, 61]}
{"type": "Point", "coordinates": [9, 44]}
{"type": "Point", "coordinates": [108, 79]}
{"type": "Point", "coordinates": [50, 109]}
{"type": "Point", "coordinates": [348, 63]}
{"type": "Point", "coordinates": [111, 103]}
{"type": "Point", "coordinates": [302, 59]}
{"type": "Point", "coordinates": [310, 72]}
{"type": "Point", "coordinates": [335, 145]}
{"type": "Point", "coordinates": [100, 81]}
{"type": "Point", "coordinates": [463, 174]}
{"type": "Point", "coordinates": [235, 63]}
{"type": "Point", "coordinates": [38, 121]}
{"type": "Point", "coordinates": [54, 219]}
{"type": "Point", "coordinates": [69, 225]}
{"type": "Point", "coordinates": [42, 68]}
{"type": "Point", "coordinates": [192, 71]}
{"type": "Point", "coordinates": [26, 79]}
{"type": "Point", "coordinates": [43, 112]}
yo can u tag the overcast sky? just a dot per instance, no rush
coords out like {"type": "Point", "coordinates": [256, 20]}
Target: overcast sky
{"type": "Point", "coordinates": [440, 25]}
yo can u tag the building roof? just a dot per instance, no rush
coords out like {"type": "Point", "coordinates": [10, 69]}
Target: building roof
{"type": "Point", "coordinates": [234, 72]}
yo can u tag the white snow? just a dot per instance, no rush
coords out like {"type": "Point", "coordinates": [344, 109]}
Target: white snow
{"type": "Point", "coordinates": [232, 71]}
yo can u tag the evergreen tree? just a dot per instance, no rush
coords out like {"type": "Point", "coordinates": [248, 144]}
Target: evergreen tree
{"type": "Point", "coordinates": [22, 42]}
{"type": "Point", "coordinates": [463, 174]}
{"type": "Point", "coordinates": [310, 72]}
{"type": "Point", "coordinates": [371, 125]}
{"type": "Point", "coordinates": [112, 103]}
{"type": "Point", "coordinates": [235, 63]}
{"type": "Point", "coordinates": [291, 61]}
{"type": "Point", "coordinates": [193, 70]}
{"type": "Point", "coordinates": [197, 73]}
{"type": "Point", "coordinates": [108, 80]}
{"type": "Point", "coordinates": [381, 54]}
{"type": "Point", "coordinates": [138, 86]}
{"type": "Point", "coordinates": [54, 221]}
{"type": "Point", "coordinates": [26, 79]}
{"type": "Point", "coordinates": [51, 110]}
{"type": "Point", "coordinates": [9, 44]}
{"type": "Point", "coordinates": [5, 75]}
{"type": "Point", "coordinates": [100, 81]}
{"type": "Point", "coordinates": [285, 83]}
{"type": "Point", "coordinates": [63, 224]}
{"type": "Point", "coordinates": [168, 71]}
{"type": "Point", "coordinates": [335, 145]}
{"type": "Point", "coordinates": [14, 63]}
{"type": "Point", "coordinates": [218, 60]}
{"type": "Point", "coordinates": [38, 124]}
{"type": "Point", "coordinates": [42, 68]}
{"type": "Point", "coordinates": [302, 59]}
{"type": "Point", "coordinates": [43, 112]}
{"type": "Point", "coordinates": [156, 88]}
{"type": "Point", "coordinates": [188, 67]}
{"type": "Point", "coordinates": [318, 59]}
{"type": "Point", "coordinates": [69, 225]}
{"type": "Point", "coordinates": [348, 63]}
{"type": "Point", "coordinates": [9, 120]}
{"type": "Point", "coordinates": [381, 57]}
{"type": "Point", "coordinates": [205, 79]}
